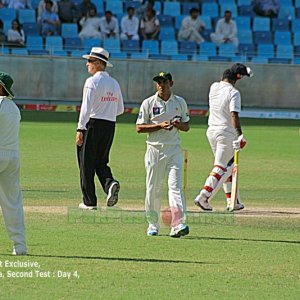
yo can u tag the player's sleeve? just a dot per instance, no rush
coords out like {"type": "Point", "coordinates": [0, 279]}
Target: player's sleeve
{"type": "Point", "coordinates": [143, 117]}
{"type": "Point", "coordinates": [235, 102]}
{"type": "Point", "coordinates": [185, 112]}
{"type": "Point", "coordinates": [86, 106]}
{"type": "Point", "coordinates": [120, 108]}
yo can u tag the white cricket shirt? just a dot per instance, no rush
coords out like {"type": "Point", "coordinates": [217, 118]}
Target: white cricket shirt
{"type": "Point", "coordinates": [154, 110]}
{"type": "Point", "coordinates": [224, 98]}
{"type": "Point", "coordinates": [102, 99]}
{"type": "Point", "coordinates": [9, 123]}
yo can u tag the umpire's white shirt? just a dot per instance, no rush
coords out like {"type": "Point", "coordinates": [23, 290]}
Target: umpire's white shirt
{"type": "Point", "coordinates": [102, 99]}
{"type": "Point", "coordinates": [154, 110]}
{"type": "Point", "coordinates": [9, 126]}
{"type": "Point", "coordinates": [224, 98]}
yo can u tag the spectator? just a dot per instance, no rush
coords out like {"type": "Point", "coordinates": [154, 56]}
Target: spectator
{"type": "Point", "coordinates": [150, 26]}
{"type": "Point", "coordinates": [19, 4]}
{"type": "Point", "coordinates": [142, 10]}
{"type": "Point", "coordinates": [109, 26]}
{"type": "Point", "coordinates": [191, 27]}
{"type": "Point", "coordinates": [42, 8]}
{"type": "Point", "coordinates": [226, 31]}
{"type": "Point", "coordinates": [15, 35]}
{"type": "Point", "coordinates": [266, 8]}
{"type": "Point", "coordinates": [2, 34]}
{"type": "Point", "coordinates": [50, 20]}
{"type": "Point", "coordinates": [84, 7]}
{"type": "Point", "coordinates": [130, 26]}
{"type": "Point", "coordinates": [90, 25]}
{"type": "Point", "coordinates": [66, 10]}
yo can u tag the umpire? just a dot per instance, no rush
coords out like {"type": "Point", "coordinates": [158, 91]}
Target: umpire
{"type": "Point", "coordinates": [102, 102]}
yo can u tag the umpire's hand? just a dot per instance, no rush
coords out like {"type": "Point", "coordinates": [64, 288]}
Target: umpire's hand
{"type": "Point", "coordinates": [79, 139]}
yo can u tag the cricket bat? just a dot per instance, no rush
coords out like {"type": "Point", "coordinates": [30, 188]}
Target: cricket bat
{"type": "Point", "coordinates": [234, 187]}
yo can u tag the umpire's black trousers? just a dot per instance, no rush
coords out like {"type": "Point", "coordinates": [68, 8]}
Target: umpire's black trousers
{"type": "Point", "coordinates": [93, 157]}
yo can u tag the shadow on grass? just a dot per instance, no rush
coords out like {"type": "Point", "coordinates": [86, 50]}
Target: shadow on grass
{"type": "Point", "coordinates": [127, 259]}
{"type": "Point", "coordinates": [240, 239]}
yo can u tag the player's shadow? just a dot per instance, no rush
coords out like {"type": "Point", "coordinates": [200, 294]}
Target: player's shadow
{"type": "Point", "coordinates": [240, 239]}
{"type": "Point", "coordinates": [127, 259]}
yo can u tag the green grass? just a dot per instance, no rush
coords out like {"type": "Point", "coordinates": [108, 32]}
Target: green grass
{"type": "Point", "coordinates": [224, 257]}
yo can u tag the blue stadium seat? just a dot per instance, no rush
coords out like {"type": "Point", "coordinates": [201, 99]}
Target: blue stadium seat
{"type": "Point", "coordinates": [297, 12]}
{"type": "Point", "coordinates": [247, 49]}
{"type": "Point", "coordinates": [282, 38]}
{"type": "Point", "coordinates": [78, 53]}
{"type": "Point", "coordinates": [207, 21]}
{"type": "Point", "coordinates": [210, 9]}
{"type": "Point", "coordinates": [265, 50]}
{"type": "Point", "coordinates": [35, 3]}
{"type": "Point", "coordinates": [112, 45]}
{"type": "Point", "coordinates": [280, 24]}
{"type": "Point", "coordinates": [73, 43]}
{"type": "Point", "coordinates": [285, 2]}
{"type": "Point", "coordinates": [151, 47]}
{"type": "Point", "coordinates": [246, 10]}
{"type": "Point", "coordinates": [259, 60]}
{"type": "Point", "coordinates": [138, 55]}
{"type": "Point", "coordinates": [130, 46]}
{"type": "Point", "coordinates": [38, 52]}
{"type": "Point", "coordinates": [186, 6]}
{"type": "Point", "coordinates": [231, 7]}
{"type": "Point", "coordinates": [208, 49]}
{"type": "Point", "coordinates": [297, 3]}
{"type": "Point", "coordinates": [226, 2]}
{"type": "Point", "coordinates": [296, 39]}
{"type": "Point", "coordinates": [279, 60]}
{"type": "Point", "coordinates": [178, 21]}
{"type": "Point", "coordinates": [263, 37]}
{"type": "Point", "coordinates": [261, 24]}
{"type": "Point", "coordinates": [169, 47]}
{"type": "Point", "coordinates": [116, 7]}
{"type": "Point", "coordinates": [59, 53]}
{"type": "Point", "coordinates": [27, 16]}
{"type": "Point", "coordinates": [54, 43]}
{"type": "Point", "coordinates": [8, 14]}
{"type": "Point", "coordinates": [165, 20]}
{"type": "Point", "coordinates": [180, 57]}
{"type": "Point", "coordinates": [119, 55]}
{"type": "Point", "coordinates": [296, 25]}
{"type": "Point", "coordinates": [244, 2]}
{"type": "Point", "coordinates": [31, 29]}
{"type": "Point", "coordinates": [6, 26]}
{"type": "Point", "coordinates": [219, 58]}
{"type": "Point", "coordinates": [245, 36]}
{"type": "Point", "coordinates": [200, 57]}
{"type": "Point", "coordinates": [243, 23]}
{"type": "Point", "coordinates": [159, 56]}
{"type": "Point", "coordinates": [227, 50]}
{"type": "Point", "coordinates": [172, 8]}
{"type": "Point", "coordinates": [69, 30]}
{"type": "Point", "coordinates": [286, 12]}
{"type": "Point", "coordinates": [88, 44]}
{"type": "Point", "coordinates": [21, 51]}
{"type": "Point", "coordinates": [34, 43]}
{"type": "Point", "coordinates": [167, 33]}
{"type": "Point", "coordinates": [285, 51]}
{"type": "Point", "coordinates": [135, 4]}
{"type": "Point", "coordinates": [296, 60]}
{"type": "Point", "coordinates": [188, 48]}
{"type": "Point", "coordinates": [158, 7]}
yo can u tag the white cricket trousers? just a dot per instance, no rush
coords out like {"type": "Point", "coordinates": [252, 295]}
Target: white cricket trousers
{"type": "Point", "coordinates": [161, 160]}
{"type": "Point", "coordinates": [11, 198]}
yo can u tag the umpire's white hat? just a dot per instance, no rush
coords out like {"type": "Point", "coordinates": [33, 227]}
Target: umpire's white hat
{"type": "Point", "coordinates": [99, 53]}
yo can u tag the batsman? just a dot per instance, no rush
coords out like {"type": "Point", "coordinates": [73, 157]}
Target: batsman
{"type": "Point", "coordinates": [225, 135]}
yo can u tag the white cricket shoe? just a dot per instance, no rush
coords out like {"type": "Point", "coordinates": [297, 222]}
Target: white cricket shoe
{"type": "Point", "coordinates": [113, 191]}
{"type": "Point", "coordinates": [202, 201]}
{"type": "Point", "coordinates": [152, 230]}
{"type": "Point", "coordinates": [179, 230]}
{"type": "Point", "coordinates": [85, 207]}
{"type": "Point", "coordinates": [238, 206]}
{"type": "Point", "coordinates": [19, 252]}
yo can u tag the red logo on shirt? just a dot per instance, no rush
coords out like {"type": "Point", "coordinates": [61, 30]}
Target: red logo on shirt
{"type": "Point", "coordinates": [109, 98]}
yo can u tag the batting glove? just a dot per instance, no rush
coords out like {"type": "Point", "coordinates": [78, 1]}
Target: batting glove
{"type": "Point", "coordinates": [240, 143]}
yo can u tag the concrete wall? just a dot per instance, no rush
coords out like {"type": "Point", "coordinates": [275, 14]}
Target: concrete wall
{"type": "Point", "coordinates": [276, 86]}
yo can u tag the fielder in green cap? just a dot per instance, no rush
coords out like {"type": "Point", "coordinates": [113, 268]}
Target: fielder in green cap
{"type": "Point", "coordinates": [10, 189]}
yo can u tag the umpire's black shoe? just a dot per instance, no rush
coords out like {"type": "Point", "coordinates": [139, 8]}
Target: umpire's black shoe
{"type": "Point", "coordinates": [113, 191]}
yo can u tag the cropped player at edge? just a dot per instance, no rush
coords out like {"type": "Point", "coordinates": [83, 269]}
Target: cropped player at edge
{"type": "Point", "coordinates": [224, 135]}
{"type": "Point", "coordinates": [162, 116]}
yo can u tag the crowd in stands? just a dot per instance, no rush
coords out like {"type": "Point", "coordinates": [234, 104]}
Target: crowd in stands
{"type": "Point", "coordinates": [194, 26]}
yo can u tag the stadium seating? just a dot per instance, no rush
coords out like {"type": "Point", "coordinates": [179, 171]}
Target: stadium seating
{"type": "Point", "coordinates": [261, 24]}
{"type": "Point", "coordinates": [231, 7]}
{"type": "Point", "coordinates": [207, 49]}
{"type": "Point", "coordinates": [31, 29]}
{"type": "Point", "coordinates": [72, 43]}
{"type": "Point", "coordinates": [69, 30]}
{"type": "Point", "coordinates": [27, 16]}
{"type": "Point", "coordinates": [34, 43]}
{"type": "Point", "coordinates": [172, 8]}
{"type": "Point", "coordinates": [8, 14]}
{"type": "Point", "coordinates": [53, 43]}
{"type": "Point", "coordinates": [169, 47]}
{"type": "Point", "coordinates": [130, 46]}
{"type": "Point", "coordinates": [150, 47]}
{"type": "Point", "coordinates": [186, 6]}
{"type": "Point", "coordinates": [167, 33]}
{"type": "Point", "coordinates": [245, 36]}
{"type": "Point", "coordinates": [285, 51]}
{"type": "Point", "coordinates": [243, 23]}
{"type": "Point", "coordinates": [265, 50]}
{"type": "Point", "coordinates": [114, 6]}
{"type": "Point", "coordinates": [187, 48]}
{"type": "Point", "coordinates": [280, 25]}
{"type": "Point", "coordinates": [263, 37]}
{"type": "Point", "coordinates": [112, 45]}
{"type": "Point", "coordinates": [89, 43]}
{"type": "Point", "coordinates": [165, 20]}
{"type": "Point", "coordinates": [282, 38]}
{"type": "Point", "coordinates": [227, 50]}
{"type": "Point", "coordinates": [210, 9]}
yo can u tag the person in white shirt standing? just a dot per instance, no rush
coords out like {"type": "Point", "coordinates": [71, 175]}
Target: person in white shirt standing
{"type": "Point", "coordinates": [130, 26]}
{"type": "Point", "coordinates": [102, 102]}
{"type": "Point", "coordinates": [90, 25]}
{"type": "Point", "coordinates": [224, 134]}
{"type": "Point", "coordinates": [226, 31]}
{"type": "Point", "coordinates": [10, 189]}
{"type": "Point", "coordinates": [162, 116]}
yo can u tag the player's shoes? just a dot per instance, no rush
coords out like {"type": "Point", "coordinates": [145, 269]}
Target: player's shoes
{"type": "Point", "coordinates": [19, 252]}
{"type": "Point", "coordinates": [202, 201]}
{"type": "Point", "coordinates": [238, 206]}
{"type": "Point", "coordinates": [113, 191]}
{"type": "Point", "coordinates": [152, 230]}
{"type": "Point", "coordinates": [85, 207]}
{"type": "Point", "coordinates": [179, 230]}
